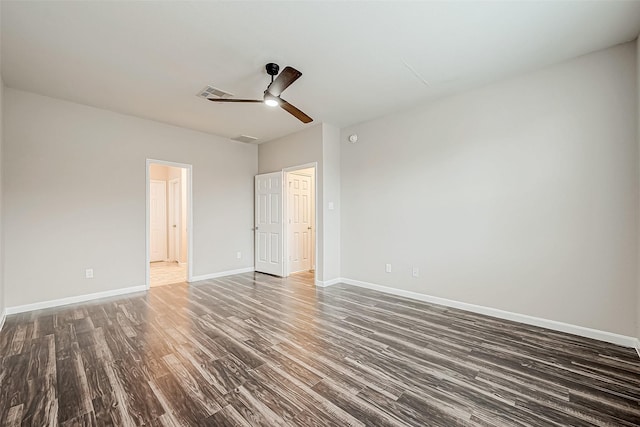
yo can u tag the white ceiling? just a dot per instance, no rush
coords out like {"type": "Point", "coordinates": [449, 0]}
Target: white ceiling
{"type": "Point", "coordinates": [150, 59]}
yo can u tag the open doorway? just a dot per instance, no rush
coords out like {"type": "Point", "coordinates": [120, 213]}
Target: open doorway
{"type": "Point", "coordinates": [168, 223]}
{"type": "Point", "coordinates": [285, 222]}
{"type": "Point", "coordinates": [300, 221]}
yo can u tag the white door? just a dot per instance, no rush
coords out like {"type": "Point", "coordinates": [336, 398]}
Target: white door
{"type": "Point", "coordinates": [268, 224]}
{"type": "Point", "coordinates": [158, 220]}
{"type": "Point", "coordinates": [174, 220]}
{"type": "Point", "coordinates": [300, 224]}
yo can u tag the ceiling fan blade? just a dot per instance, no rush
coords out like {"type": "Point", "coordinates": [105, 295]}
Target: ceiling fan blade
{"type": "Point", "coordinates": [283, 81]}
{"type": "Point", "coordinates": [233, 100]}
{"type": "Point", "coordinates": [295, 112]}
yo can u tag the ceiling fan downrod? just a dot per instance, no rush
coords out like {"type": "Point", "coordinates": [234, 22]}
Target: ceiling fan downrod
{"type": "Point", "coordinates": [272, 70]}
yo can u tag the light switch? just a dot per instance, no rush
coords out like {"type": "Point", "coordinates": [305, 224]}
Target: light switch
{"type": "Point", "coordinates": [330, 206]}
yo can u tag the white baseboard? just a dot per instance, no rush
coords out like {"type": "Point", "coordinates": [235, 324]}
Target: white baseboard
{"type": "Point", "coordinates": [328, 283]}
{"type": "Point", "coordinates": [610, 337]}
{"type": "Point", "coordinates": [73, 300]}
{"type": "Point", "coordinates": [221, 274]}
{"type": "Point", "coordinates": [2, 317]}
{"type": "Point", "coordinates": [638, 346]}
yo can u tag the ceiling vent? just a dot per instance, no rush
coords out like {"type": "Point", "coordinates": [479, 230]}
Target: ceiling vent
{"type": "Point", "coordinates": [245, 138]}
{"type": "Point", "coordinates": [212, 92]}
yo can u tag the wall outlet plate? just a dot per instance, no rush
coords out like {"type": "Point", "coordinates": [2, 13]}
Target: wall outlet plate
{"type": "Point", "coordinates": [88, 273]}
{"type": "Point", "coordinates": [387, 268]}
{"type": "Point", "coordinates": [415, 272]}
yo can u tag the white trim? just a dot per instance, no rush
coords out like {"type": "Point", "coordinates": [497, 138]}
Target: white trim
{"type": "Point", "coordinates": [3, 316]}
{"type": "Point", "coordinates": [638, 346]}
{"type": "Point", "coordinates": [189, 169]}
{"type": "Point", "coordinates": [222, 274]}
{"type": "Point", "coordinates": [74, 300]}
{"type": "Point", "coordinates": [328, 283]}
{"type": "Point", "coordinates": [596, 334]}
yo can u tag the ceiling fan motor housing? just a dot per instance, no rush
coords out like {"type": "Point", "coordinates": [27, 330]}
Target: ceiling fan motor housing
{"type": "Point", "coordinates": [274, 89]}
{"type": "Point", "coordinates": [272, 69]}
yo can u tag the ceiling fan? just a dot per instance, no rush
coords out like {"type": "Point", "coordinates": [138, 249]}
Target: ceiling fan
{"type": "Point", "coordinates": [273, 91]}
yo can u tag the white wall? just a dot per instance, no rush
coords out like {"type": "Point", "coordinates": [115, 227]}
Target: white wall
{"type": "Point", "coordinates": [521, 196]}
{"type": "Point", "coordinates": [74, 196]}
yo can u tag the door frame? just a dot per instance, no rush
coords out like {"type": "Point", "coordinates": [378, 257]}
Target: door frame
{"type": "Point", "coordinates": [189, 169]}
{"type": "Point", "coordinates": [285, 201]}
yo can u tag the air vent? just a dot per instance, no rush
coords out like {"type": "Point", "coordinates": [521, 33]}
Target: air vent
{"type": "Point", "coordinates": [212, 92]}
{"type": "Point", "coordinates": [245, 138]}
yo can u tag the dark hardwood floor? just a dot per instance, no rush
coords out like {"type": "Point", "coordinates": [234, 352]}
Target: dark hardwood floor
{"type": "Point", "coordinates": [257, 350]}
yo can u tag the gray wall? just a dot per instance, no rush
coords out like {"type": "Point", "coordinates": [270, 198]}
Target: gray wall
{"type": "Point", "coordinates": [74, 196]}
{"type": "Point", "coordinates": [521, 196]}
{"type": "Point", "coordinates": [331, 195]}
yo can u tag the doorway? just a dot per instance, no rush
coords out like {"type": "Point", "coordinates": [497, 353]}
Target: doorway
{"type": "Point", "coordinates": [168, 223]}
{"type": "Point", "coordinates": [300, 220]}
{"type": "Point", "coordinates": [285, 222]}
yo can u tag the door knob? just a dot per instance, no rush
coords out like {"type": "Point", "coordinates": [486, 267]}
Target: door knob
{"type": "Point", "coordinates": [308, 228]}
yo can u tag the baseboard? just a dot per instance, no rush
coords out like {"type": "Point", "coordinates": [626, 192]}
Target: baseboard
{"type": "Point", "coordinates": [610, 337]}
{"type": "Point", "coordinates": [638, 347]}
{"type": "Point", "coordinates": [2, 317]}
{"type": "Point", "coordinates": [327, 283]}
{"type": "Point", "coordinates": [73, 300]}
{"type": "Point", "coordinates": [221, 274]}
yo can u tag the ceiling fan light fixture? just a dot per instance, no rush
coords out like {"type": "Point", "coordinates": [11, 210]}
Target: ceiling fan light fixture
{"type": "Point", "coordinates": [272, 94]}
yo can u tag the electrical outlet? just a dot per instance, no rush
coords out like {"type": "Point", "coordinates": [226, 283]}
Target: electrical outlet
{"type": "Point", "coordinates": [415, 272]}
{"type": "Point", "coordinates": [387, 268]}
{"type": "Point", "coordinates": [238, 255]}
{"type": "Point", "coordinates": [88, 273]}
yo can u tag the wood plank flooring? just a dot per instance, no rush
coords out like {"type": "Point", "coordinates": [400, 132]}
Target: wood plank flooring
{"type": "Point", "coordinates": [255, 350]}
